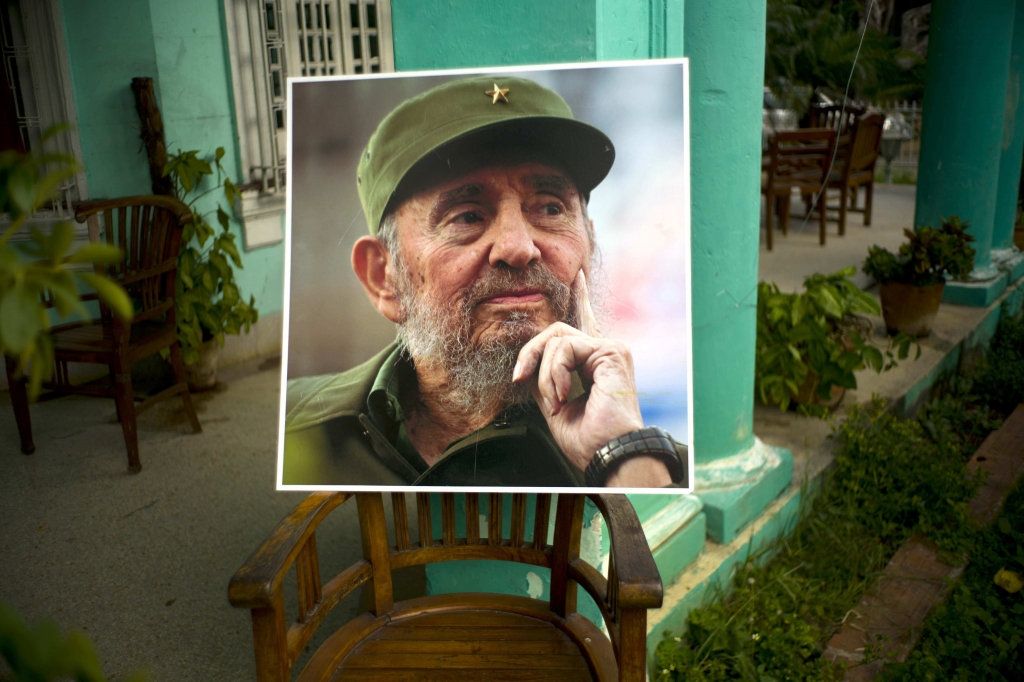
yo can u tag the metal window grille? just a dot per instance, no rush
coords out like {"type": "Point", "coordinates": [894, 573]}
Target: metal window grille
{"type": "Point", "coordinates": [274, 39]}
{"type": "Point", "coordinates": [329, 37]}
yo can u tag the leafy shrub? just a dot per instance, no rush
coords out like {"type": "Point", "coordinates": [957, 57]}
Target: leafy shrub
{"type": "Point", "coordinates": [818, 336]}
{"type": "Point", "coordinates": [41, 653]}
{"type": "Point", "coordinates": [926, 258]}
{"type": "Point", "coordinates": [208, 304]}
{"type": "Point", "coordinates": [26, 186]}
{"type": "Point", "coordinates": [1000, 379]}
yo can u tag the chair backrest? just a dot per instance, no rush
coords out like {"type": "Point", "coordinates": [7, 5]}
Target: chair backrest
{"type": "Point", "coordinates": [866, 144]}
{"type": "Point", "coordinates": [801, 157]}
{"type": "Point", "coordinates": [258, 584]}
{"type": "Point", "coordinates": [148, 229]}
{"type": "Point", "coordinates": [835, 116]}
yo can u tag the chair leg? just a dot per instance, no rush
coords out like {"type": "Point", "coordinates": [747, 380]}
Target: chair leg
{"type": "Point", "coordinates": [853, 197]}
{"type": "Point", "coordinates": [784, 205]}
{"type": "Point", "coordinates": [869, 191]}
{"type": "Point", "coordinates": [821, 213]}
{"type": "Point", "coordinates": [19, 400]}
{"type": "Point", "coordinates": [842, 212]}
{"type": "Point", "coordinates": [768, 219]}
{"type": "Point", "coordinates": [126, 412]}
{"type": "Point", "coordinates": [186, 396]}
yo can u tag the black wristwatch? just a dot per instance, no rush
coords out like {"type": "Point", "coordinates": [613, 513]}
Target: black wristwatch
{"type": "Point", "coordinates": [649, 441]}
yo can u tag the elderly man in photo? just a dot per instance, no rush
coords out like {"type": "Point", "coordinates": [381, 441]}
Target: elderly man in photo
{"type": "Point", "coordinates": [480, 249]}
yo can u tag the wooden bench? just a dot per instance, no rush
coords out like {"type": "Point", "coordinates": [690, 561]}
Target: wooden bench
{"type": "Point", "coordinates": [468, 636]}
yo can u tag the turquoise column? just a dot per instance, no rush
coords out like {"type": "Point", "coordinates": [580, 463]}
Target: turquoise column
{"type": "Point", "coordinates": [962, 129]}
{"type": "Point", "coordinates": [1004, 254]}
{"type": "Point", "coordinates": [736, 475]}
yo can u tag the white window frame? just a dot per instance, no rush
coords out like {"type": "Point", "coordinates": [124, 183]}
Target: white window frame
{"type": "Point", "coordinates": [256, 103]}
{"type": "Point", "coordinates": [45, 75]}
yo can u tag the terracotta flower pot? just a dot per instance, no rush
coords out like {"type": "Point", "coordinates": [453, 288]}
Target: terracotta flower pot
{"type": "Point", "coordinates": [202, 374]}
{"type": "Point", "coordinates": [910, 309]}
{"type": "Point", "coordinates": [808, 393]}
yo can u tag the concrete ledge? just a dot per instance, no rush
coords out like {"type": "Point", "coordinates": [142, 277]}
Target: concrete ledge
{"type": "Point", "coordinates": [976, 294]}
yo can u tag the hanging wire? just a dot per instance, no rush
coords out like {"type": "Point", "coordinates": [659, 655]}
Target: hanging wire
{"type": "Point", "coordinates": [842, 112]}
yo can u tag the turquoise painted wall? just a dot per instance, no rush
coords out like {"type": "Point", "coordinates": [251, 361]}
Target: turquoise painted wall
{"type": "Point", "coordinates": [106, 50]}
{"type": "Point", "coordinates": [183, 47]}
{"type": "Point", "coordinates": [725, 42]}
{"type": "Point", "coordinates": [448, 34]}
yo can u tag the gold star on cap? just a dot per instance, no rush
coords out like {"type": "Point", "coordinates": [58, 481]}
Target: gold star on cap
{"type": "Point", "coordinates": [497, 93]}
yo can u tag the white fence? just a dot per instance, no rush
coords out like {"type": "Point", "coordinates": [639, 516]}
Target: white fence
{"type": "Point", "coordinates": [904, 165]}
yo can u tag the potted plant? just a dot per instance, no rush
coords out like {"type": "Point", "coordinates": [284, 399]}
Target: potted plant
{"type": "Point", "coordinates": [207, 300]}
{"type": "Point", "coordinates": [911, 281]}
{"type": "Point", "coordinates": [45, 265]}
{"type": "Point", "coordinates": [809, 344]}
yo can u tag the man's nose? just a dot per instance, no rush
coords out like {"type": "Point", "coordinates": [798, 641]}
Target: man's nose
{"type": "Point", "coordinates": [513, 242]}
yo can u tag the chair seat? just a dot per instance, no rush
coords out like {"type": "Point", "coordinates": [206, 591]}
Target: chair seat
{"type": "Point", "coordinates": [470, 643]}
{"type": "Point", "coordinates": [91, 338]}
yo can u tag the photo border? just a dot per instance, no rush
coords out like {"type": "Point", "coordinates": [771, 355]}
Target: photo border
{"type": "Point", "coordinates": [282, 410]}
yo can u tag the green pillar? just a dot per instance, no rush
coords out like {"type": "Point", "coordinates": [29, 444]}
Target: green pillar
{"type": "Point", "coordinates": [962, 129]}
{"type": "Point", "coordinates": [1004, 254]}
{"type": "Point", "coordinates": [736, 475]}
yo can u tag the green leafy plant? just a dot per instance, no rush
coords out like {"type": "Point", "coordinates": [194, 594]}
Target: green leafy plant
{"type": "Point", "coordinates": [207, 301]}
{"type": "Point", "coordinates": [818, 338]}
{"type": "Point", "coordinates": [927, 257]}
{"type": "Point", "coordinates": [45, 265]}
{"type": "Point", "coordinates": [41, 653]}
{"type": "Point", "coordinates": [1000, 376]}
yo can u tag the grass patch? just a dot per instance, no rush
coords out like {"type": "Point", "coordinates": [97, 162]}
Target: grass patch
{"type": "Point", "coordinates": [892, 478]}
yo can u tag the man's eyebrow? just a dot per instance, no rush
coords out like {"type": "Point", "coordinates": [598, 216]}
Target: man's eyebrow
{"type": "Point", "coordinates": [451, 198]}
{"type": "Point", "coordinates": [550, 181]}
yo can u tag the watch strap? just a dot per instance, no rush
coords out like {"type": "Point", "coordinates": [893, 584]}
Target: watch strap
{"type": "Point", "coordinates": [650, 441]}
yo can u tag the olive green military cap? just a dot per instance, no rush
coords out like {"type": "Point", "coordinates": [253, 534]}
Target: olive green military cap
{"type": "Point", "coordinates": [455, 127]}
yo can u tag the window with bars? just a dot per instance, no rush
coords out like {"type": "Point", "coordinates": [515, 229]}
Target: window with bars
{"type": "Point", "coordinates": [35, 94]}
{"type": "Point", "coordinates": [271, 40]}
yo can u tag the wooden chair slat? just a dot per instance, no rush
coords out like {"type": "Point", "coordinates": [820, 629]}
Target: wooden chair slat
{"type": "Point", "coordinates": [568, 532]}
{"type": "Point", "coordinates": [612, 597]}
{"type": "Point", "coordinates": [541, 518]}
{"type": "Point", "coordinates": [401, 516]}
{"type": "Point", "coordinates": [136, 240]}
{"type": "Point", "coordinates": [518, 526]}
{"type": "Point", "coordinates": [373, 529]}
{"type": "Point", "coordinates": [307, 573]}
{"type": "Point", "coordinates": [447, 519]}
{"type": "Point", "coordinates": [472, 518]}
{"type": "Point", "coordinates": [424, 520]}
{"type": "Point", "coordinates": [495, 503]}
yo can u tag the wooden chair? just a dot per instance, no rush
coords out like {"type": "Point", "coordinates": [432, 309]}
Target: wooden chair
{"type": "Point", "coordinates": [855, 167]}
{"type": "Point", "coordinates": [148, 229]}
{"type": "Point", "coordinates": [835, 116]}
{"type": "Point", "coordinates": [797, 159]}
{"type": "Point", "coordinates": [469, 636]}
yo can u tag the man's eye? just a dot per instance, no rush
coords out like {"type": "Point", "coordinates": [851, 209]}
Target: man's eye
{"type": "Point", "coordinates": [552, 209]}
{"type": "Point", "coordinates": [468, 218]}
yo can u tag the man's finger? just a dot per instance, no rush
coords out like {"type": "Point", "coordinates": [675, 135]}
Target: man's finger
{"type": "Point", "coordinates": [533, 351]}
{"type": "Point", "coordinates": [588, 321]}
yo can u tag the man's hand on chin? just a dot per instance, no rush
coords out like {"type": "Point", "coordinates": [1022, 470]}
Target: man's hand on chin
{"type": "Point", "coordinates": [608, 410]}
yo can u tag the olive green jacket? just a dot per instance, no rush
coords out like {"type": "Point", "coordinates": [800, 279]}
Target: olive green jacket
{"type": "Point", "coordinates": [330, 439]}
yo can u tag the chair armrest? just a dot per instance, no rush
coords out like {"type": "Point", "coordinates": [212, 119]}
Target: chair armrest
{"type": "Point", "coordinates": [639, 583]}
{"type": "Point", "coordinates": [259, 579]}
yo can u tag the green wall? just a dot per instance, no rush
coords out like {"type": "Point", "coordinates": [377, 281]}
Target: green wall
{"type": "Point", "coordinates": [182, 45]}
{"type": "Point", "coordinates": [449, 34]}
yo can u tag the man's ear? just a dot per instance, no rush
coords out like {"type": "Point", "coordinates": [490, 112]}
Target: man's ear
{"type": "Point", "coordinates": [372, 265]}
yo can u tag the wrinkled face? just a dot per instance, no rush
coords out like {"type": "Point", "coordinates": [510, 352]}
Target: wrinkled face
{"type": "Point", "coordinates": [503, 244]}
